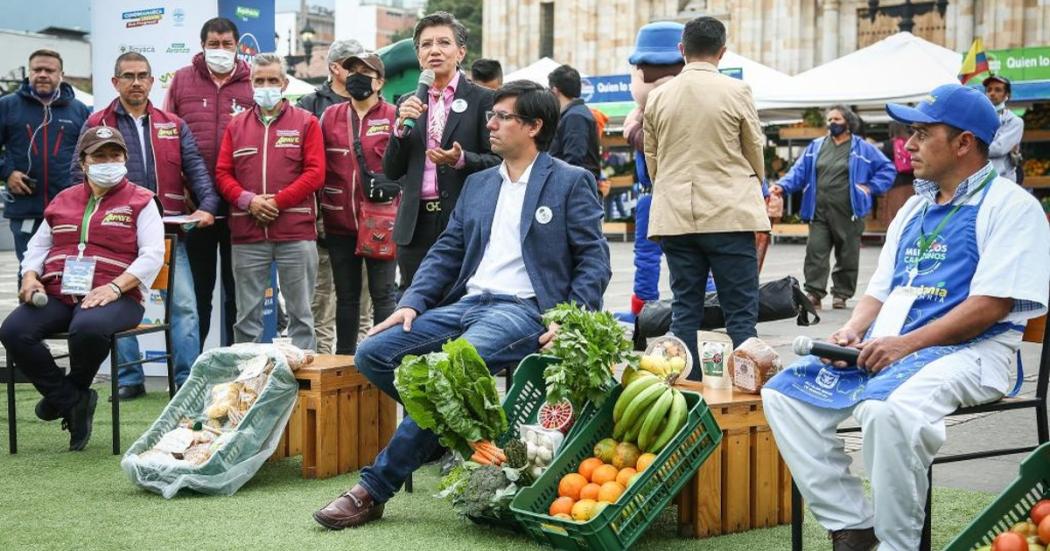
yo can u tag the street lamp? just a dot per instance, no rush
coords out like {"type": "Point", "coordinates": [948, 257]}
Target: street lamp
{"type": "Point", "coordinates": [907, 11]}
{"type": "Point", "coordinates": [306, 38]}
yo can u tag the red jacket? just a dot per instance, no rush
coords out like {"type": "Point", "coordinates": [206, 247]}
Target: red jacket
{"type": "Point", "coordinates": [284, 158]}
{"type": "Point", "coordinates": [208, 108]}
{"type": "Point", "coordinates": [343, 188]}
{"type": "Point", "coordinates": [112, 233]}
{"type": "Point", "coordinates": [167, 148]}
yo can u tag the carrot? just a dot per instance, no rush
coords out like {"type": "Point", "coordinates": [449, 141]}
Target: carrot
{"type": "Point", "coordinates": [478, 457]}
{"type": "Point", "coordinates": [490, 449]}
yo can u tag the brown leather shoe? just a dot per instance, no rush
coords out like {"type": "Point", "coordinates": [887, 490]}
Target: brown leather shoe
{"type": "Point", "coordinates": [838, 303]}
{"type": "Point", "coordinates": [350, 510]}
{"type": "Point", "coordinates": [814, 299]}
{"type": "Point", "coordinates": [853, 540]}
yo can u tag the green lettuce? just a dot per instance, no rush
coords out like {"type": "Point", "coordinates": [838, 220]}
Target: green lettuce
{"type": "Point", "coordinates": [453, 394]}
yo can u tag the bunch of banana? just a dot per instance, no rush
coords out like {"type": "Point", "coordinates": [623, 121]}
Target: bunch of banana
{"type": "Point", "coordinates": [649, 413]}
{"type": "Point", "coordinates": [662, 367]}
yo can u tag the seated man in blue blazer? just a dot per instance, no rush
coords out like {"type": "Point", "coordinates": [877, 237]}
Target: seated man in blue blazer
{"type": "Point", "coordinates": [524, 236]}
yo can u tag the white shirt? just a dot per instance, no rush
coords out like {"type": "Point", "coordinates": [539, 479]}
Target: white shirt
{"type": "Point", "coordinates": [502, 268]}
{"type": "Point", "coordinates": [150, 260]}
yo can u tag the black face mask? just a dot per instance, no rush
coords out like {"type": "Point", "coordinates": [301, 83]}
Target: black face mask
{"type": "Point", "coordinates": [836, 129]}
{"type": "Point", "coordinates": [359, 86]}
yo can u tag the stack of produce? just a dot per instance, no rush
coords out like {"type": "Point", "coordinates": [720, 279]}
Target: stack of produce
{"type": "Point", "coordinates": [1031, 535]}
{"type": "Point", "coordinates": [195, 440]}
{"type": "Point", "coordinates": [599, 481]}
{"type": "Point", "coordinates": [1037, 117]}
{"type": "Point", "coordinates": [1036, 167]}
{"type": "Point", "coordinates": [649, 412]}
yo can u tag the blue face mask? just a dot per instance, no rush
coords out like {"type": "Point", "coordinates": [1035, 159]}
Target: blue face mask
{"type": "Point", "coordinates": [267, 97]}
{"type": "Point", "coordinates": [836, 129]}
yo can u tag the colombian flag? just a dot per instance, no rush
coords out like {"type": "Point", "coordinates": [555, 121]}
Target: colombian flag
{"type": "Point", "coordinates": [975, 62]}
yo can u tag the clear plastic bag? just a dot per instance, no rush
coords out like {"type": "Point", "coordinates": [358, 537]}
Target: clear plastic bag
{"type": "Point", "coordinates": [234, 456]}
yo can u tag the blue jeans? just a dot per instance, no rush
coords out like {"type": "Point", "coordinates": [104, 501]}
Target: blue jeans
{"type": "Point", "coordinates": [504, 330]}
{"type": "Point", "coordinates": [185, 333]}
{"type": "Point", "coordinates": [732, 260]}
{"type": "Point", "coordinates": [22, 229]}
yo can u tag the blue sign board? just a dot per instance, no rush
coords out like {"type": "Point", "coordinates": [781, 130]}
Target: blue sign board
{"type": "Point", "coordinates": [606, 89]}
{"type": "Point", "coordinates": [255, 21]}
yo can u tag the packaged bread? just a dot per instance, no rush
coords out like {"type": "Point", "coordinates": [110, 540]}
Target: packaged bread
{"type": "Point", "coordinates": [752, 364]}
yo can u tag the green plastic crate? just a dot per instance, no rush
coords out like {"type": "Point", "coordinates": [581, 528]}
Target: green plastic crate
{"type": "Point", "coordinates": [1012, 506]}
{"type": "Point", "coordinates": [620, 524]}
{"type": "Point", "coordinates": [528, 392]}
{"type": "Point", "coordinates": [522, 404]}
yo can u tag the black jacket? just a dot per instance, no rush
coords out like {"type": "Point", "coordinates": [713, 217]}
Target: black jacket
{"type": "Point", "coordinates": [576, 139]}
{"type": "Point", "coordinates": [322, 98]}
{"type": "Point", "coordinates": [405, 157]}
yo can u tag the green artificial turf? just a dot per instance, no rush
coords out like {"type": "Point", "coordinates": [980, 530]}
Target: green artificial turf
{"type": "Point", "coordinates": [54, 499]}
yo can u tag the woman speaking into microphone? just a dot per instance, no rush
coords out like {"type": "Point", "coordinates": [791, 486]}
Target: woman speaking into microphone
{"type": "Point", "coordinates": [100, 246]}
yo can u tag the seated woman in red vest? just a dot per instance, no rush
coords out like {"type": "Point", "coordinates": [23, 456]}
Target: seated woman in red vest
{"type": "Point", "coordinates": [85, 272]}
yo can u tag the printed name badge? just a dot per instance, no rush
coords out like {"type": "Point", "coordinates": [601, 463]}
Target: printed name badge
{"type": "Point", "coordinates": [460, 105]}
{"type": "Point", "coordinates": [544, 215]}
{"type": "Point", "coordinates": [894, 312]}
{"type": "Point", "coordinates": [78, 275]}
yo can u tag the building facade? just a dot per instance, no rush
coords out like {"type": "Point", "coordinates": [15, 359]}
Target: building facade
{"type": "Point", "coordinates": [375, 23]}
{"type": "Point", "coordinates": [597, 36]}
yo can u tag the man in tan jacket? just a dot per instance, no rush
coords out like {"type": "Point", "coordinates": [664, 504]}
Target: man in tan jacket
{"type": "Point", "coordinates": [703, 148]}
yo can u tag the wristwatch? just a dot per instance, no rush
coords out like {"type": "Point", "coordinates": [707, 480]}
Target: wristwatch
{"type": "Point", "coordinates": [116, 289]}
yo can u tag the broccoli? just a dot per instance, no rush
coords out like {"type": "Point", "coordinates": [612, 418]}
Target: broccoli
{"type": "Point", "coordinates": [485, 492]}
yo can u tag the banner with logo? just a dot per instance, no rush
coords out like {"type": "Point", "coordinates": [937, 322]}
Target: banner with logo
{"type": "Point", "coordinates": [166, 32]}
{"type": "Point", "coordinates": [255, 21]}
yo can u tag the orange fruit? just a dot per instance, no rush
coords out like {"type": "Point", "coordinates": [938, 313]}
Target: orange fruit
{"type": "Point", "coordinates": [571, 484]}
{"type": "Point", "coordinates": [588, 466]}
{"type": "Point", "coordinates": [603, 474]}
{"type": "Point", "coordinates": [590, 491]}
{"type": "Point", "coordinates": [625, 475]}
{"type": "Point", "coordinates": [561, 506]}
{"type": "Point", "coordinates": [583, 510]}
{"type": "Point", "coordinates": [644, 461]}
{"type": "Point", "coordinates": [611, 491]}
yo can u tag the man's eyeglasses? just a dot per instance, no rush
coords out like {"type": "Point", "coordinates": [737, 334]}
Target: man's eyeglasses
{"type": "Point", "coordinates": [132, 77]}
{"type": "Point", "coordinates": [503, 117]}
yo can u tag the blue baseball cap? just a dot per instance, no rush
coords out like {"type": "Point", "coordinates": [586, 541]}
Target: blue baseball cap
{"type": "Point", "coordinates": [956, 105]}
{"type": "Point", "coordinates": [657, 44]}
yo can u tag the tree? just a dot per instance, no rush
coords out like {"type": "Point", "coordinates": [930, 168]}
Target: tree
{"type": "Point", "coordinates": [468, 12]}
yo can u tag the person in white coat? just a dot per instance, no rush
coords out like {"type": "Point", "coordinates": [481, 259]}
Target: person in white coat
{"type": "Point", "coordinates": [937, 329]}
{"type": "Point", "coordinates": [1005, 150]}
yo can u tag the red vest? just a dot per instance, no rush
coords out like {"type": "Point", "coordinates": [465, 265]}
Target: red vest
{"type": "Point", "coordinates": [208, 108]}
{"type": "Point", "coordinates": [167, 154]}
{"type": "Point", "coordinates": [112, 233]}
{"type": "Point", "coordinates": [343, 185]}
{"type": "Point", "coordinates": [266, 159]}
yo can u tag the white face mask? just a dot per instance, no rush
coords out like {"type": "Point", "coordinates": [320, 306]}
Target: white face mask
{"type": "Point", "coordinates": [267, 97]}
{"type": "Point", "coordinates": [106, 175]}
{"type": "Point", "coordinates": [999, 108]}
{"type": "Point", "coordinates": [219, 61]}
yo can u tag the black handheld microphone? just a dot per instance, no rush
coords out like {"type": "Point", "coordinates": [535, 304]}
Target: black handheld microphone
{"type": "Point", "coordinates": [426, 80]}
{"type": "Point", "coordinates": [805, 346]}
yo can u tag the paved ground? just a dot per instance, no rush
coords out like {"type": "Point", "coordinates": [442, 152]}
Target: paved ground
{"type": "Point", "coordinates": [970, 434]}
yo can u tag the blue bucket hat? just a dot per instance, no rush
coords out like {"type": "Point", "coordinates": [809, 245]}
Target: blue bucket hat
{"type": "Point", "coordinates": [657, 44]}
{"type": "Point", "coordinates": [956, 105]}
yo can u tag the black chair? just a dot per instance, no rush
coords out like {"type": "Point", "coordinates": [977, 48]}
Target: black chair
{"type": "Point", "coordinates": [165, 281]}
{"type": "Point", "coordinates": [1037, 331]}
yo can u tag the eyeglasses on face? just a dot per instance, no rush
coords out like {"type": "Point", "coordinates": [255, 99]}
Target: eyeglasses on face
{"type": "Point", "coordinates": [503, 116]}
{"type": "Point", "coordinates": [132, 77]}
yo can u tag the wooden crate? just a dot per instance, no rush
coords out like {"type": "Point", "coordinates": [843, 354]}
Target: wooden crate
{"type": "Point", "coordinates": [340, 422]}
{"type": "Point", "coordinates": [745, 484]}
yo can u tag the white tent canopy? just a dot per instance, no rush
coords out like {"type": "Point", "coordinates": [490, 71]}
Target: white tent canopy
{"type": "Point", "coordinates": [763, 79]}
{"type": "Point", "coordinates": [537, 72]}
{"type": "Point", "coordinates": [901, 68]}
{"type": "Point", "coordinates": [84, 97]}
{"type": "Point", "coordinates": [298, 87]}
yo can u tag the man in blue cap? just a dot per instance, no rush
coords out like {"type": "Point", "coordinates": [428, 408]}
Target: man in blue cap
{"type": "Point", "coordinates": [936, 330]}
